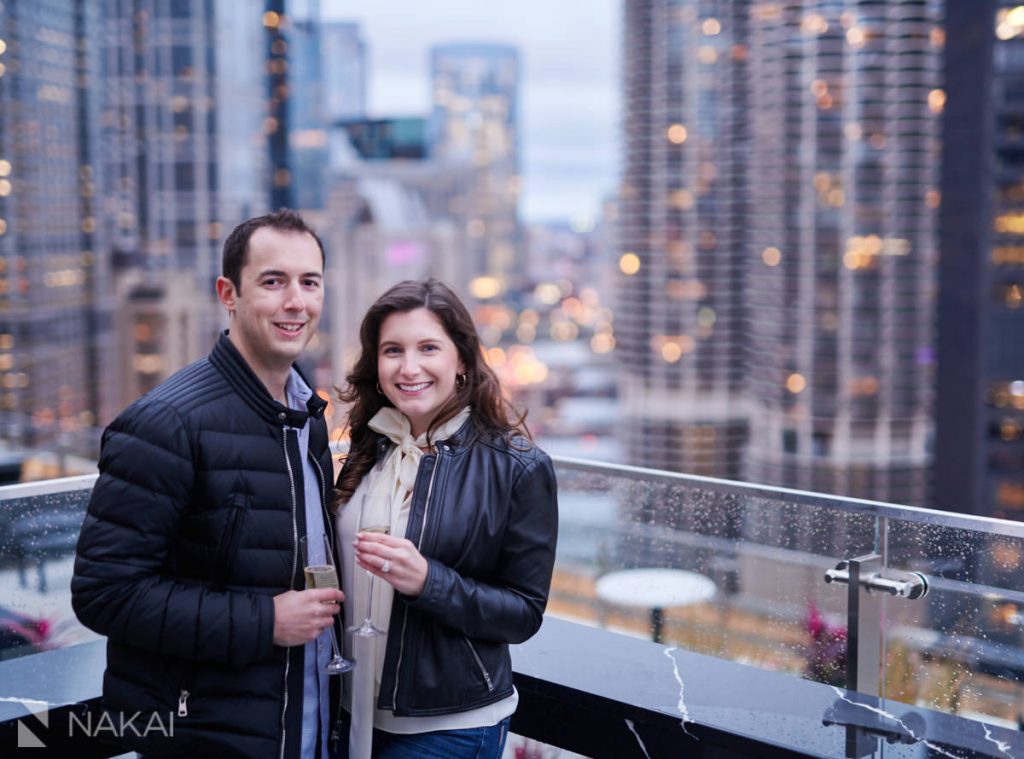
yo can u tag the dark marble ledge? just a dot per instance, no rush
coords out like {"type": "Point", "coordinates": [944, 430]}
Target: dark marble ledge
{"type": "Point", "coordinates": [602, 695]}
{"type": "Point", "coordinates": [594, 681]}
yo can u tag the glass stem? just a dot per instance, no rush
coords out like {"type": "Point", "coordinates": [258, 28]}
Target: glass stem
{"type": "Point", "coordinates": [334, 642]}
{"type": "Point", "coordinates": [369, 599]}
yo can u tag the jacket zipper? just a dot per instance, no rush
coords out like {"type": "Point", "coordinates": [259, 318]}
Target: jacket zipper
{"type": "Point", "coordinates": [328, 528]}
{"type": "Point", "coordinates": [419, 546]}
{"type": "Point", "coordinates": [185, 682]}
{"type": "Point", "coordinates": [480, 664]}
{"type": "Point", "coordinates": [291, 579]}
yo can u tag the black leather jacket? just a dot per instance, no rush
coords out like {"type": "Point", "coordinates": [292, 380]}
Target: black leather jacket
{"type": "Point", "coordinates": [485, 516]}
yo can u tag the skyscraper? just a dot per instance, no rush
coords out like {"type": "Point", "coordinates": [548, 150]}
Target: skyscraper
{"type": "Point", "coordinates": [326, 85]}
{"type": "Point", "coordinates": [679, 315]}
{"type": "Point", "coordinates": [475, 122]}
{"type": "Point", "coordinates": [55, 322]}
{"type": "Point", "coordinates": [344, 57]}
{"type": "Point", "coordinates": [845, 105]}
{"type": "Point", "coordinates": [184, 160]}
{"type": "Point", "coordinates": [778, 243]}
{"type": "Point", "coordinates": [159, 126]}
{"type": "Point", "coordinates": [979, 451]}
{"type": "Point", "coordinates": [240, 113]}
{"type": "Point", "coordinates": [307, 101]}
{"type": "Point", "coordinates": [277, 124]}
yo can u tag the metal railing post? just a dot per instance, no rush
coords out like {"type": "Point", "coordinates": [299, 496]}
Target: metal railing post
{"type": "Point", "coordinates": [864, 627]}
{"type": "Point", "coordinates": [865, 584]}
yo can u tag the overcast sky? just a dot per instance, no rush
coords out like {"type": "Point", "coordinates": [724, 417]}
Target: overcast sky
{"type": "Point", "coordinates": [569, 90]}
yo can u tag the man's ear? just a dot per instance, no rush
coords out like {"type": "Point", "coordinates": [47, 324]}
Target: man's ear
{"type": "Point", "coordinates": [227, 293]}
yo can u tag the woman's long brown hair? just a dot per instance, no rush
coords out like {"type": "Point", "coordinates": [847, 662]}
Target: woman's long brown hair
{"type": "Point", "coordinates": [492, 411]}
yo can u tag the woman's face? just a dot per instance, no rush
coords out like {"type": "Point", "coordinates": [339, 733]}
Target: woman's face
{"type": "Point", "coordinates": [416, 365]}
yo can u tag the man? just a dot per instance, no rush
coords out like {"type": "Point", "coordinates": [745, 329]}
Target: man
{"type": "Point", "coordinates": [189, 557]}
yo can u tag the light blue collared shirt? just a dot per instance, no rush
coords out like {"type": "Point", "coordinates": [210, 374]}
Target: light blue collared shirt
{"type": "Point", "coordinates": [318, 652]}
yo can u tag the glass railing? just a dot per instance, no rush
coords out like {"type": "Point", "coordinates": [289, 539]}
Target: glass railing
{"type": "Point", "coordinates": [731, 570]}
{"type": "Point", "coordinates": [744, 578]}
{"type": "Point", "coordinates": [39, 525]}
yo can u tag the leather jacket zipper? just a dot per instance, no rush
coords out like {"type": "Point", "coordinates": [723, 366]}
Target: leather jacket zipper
{"type": "Point", "coordinates": [479, 664]}
{"type": "Point", "coordinates": [291, 581]}
{"type": "Point", "coordinates": [419, 547]}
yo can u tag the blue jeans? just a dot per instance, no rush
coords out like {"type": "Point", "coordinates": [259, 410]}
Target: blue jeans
{"type": "Point", "coordinates": [469, 743]}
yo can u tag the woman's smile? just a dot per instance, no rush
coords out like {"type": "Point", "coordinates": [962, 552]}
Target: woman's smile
{"type": "Point", "coordinates": [413, 389]}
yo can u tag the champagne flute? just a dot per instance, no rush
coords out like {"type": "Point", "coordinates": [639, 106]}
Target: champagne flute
{"type": "Point", "coordinates": [318, 567]}
{"type": "Point", "coordinates": [374, 519]}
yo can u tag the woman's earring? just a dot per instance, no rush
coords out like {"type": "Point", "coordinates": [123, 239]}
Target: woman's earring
{"type": "Point", "coordinates": [460, 381]}
{"type": "Point", "coordinates": [379, 390]}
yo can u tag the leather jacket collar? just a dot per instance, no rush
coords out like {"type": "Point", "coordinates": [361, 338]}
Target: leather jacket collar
{"type": "Point", "coordinates": [226, 358]}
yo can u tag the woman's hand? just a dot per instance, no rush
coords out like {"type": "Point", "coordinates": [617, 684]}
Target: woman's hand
{"type": "Point", "coordinates": [392, 559]}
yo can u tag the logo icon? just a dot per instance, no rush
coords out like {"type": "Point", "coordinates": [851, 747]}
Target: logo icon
{"type": "Point", "coordinates": [38, 709]}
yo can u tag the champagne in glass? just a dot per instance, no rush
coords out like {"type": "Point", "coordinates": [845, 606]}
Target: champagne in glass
{"type": "Point", "coordinates": [321, 576]}
{"type": "Point", "coordinates": [318, 567]}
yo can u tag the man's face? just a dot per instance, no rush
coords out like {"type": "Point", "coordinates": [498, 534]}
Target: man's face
{"type": "Point", "coordinates": [277, 307]}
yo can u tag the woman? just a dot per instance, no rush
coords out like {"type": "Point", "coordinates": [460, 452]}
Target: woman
{"type": "Point", "coordinates": [472, 512]}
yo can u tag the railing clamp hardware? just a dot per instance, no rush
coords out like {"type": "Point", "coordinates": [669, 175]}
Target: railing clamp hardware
{"type": "Point", "coordinates": [909, 585]}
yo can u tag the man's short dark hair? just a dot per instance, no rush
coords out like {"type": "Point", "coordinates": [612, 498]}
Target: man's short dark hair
{"type": "Point", "coordinates": [236, 247]}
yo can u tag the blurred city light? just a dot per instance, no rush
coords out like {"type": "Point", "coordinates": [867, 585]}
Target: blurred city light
{"type": "Point", "coordinates": [629, 263]}
{"type": "Point", "coordinates": [547, 293]}
{"type": "Point", "coordinates": [677, 134]}
{"type": "Point", "coordinates": [795, 383]}
{"type": "Point", "coordinates": [486, 287]}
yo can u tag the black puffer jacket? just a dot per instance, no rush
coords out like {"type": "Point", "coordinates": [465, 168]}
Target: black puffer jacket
{"type": "Point", "coordinates": [485, 515]}
{"type": "Point", "coordinates": [192, 528]}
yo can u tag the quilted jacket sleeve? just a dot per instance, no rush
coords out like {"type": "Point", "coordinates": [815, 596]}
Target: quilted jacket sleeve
{"type": "Point", "coordinates": [121, 587]}
{"type": "Point", "coordinates": [510, 606]}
